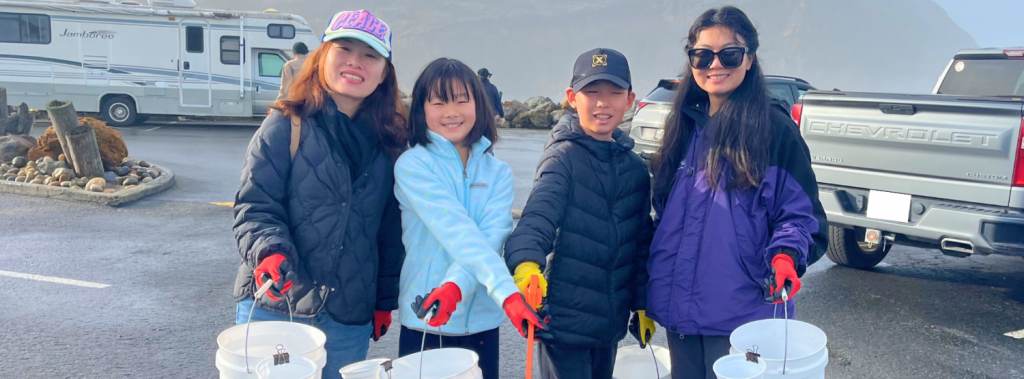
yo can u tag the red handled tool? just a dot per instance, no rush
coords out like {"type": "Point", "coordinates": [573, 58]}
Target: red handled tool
{"type": "Point", "coordinates": [534, 297]}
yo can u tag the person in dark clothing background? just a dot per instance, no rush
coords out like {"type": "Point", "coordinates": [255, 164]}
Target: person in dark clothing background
{"type": "Point", "coordinates": [493, 96]}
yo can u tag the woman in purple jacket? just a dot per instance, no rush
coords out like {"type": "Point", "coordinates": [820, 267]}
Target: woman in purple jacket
{"type": "Point", "coordinates": [738, 216]}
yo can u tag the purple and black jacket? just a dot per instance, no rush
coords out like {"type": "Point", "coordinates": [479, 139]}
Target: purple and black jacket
{"type": "Point", "coordinates": [712, 250]}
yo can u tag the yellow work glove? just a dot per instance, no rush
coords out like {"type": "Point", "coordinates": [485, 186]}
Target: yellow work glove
{"type": "Point", "coordinates": [522, 277]}
{"type": "Point", "coordinates": [642, 328]}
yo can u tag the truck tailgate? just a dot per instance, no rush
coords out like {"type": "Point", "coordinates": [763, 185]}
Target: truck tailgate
{"type": "Point", "coordinates": [938, 146]}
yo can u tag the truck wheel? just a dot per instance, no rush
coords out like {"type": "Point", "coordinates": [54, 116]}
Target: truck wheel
{"type": "Point", "coordinates": [119, 111]}
{"type": "Point", "coordinates": [844, 248]}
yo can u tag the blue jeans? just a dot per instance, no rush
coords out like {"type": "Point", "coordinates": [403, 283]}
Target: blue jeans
{"type": "Point", "coordinates": [345, 344]}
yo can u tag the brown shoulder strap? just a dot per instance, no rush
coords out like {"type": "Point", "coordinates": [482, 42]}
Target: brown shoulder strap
{"type": "Point", "coordinates": [296, 134]}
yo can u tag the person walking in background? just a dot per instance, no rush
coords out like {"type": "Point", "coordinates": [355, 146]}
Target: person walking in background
{"type": "Point", "coordinates": [456, 201]}
{"type": "Point", "coordinates": [587, 227]}
{"type": "Point", "coordinates": [316, 211]}
{"type": "Point", "coordinates": [493, 95]}
{"type": "Point", "coordinates": [737, 211]}
{"type": "Point", "coordinates": [291, 68]}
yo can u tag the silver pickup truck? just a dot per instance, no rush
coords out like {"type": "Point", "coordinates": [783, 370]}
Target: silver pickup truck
{"type": "Point", "coordinates": [944, 170]}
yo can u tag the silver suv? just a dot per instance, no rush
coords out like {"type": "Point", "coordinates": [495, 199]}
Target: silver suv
{"type": "Point", "coordinates": [648, 125]}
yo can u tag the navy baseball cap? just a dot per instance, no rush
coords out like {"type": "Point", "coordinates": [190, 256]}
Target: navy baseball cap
{"type": "Point", "coordinates": [601, 64]}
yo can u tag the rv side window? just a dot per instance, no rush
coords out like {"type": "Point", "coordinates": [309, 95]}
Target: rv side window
{"type": "Point", "coordinates": [24, 28]}
{"type": "Point", "coordinates": [194, 39]}
{"type": "Point", "coordinates": [271, 65]}
{"type": "Point", "coordinates": [281, 31]}
{"type": "Point", "coordinates": [230, 51]}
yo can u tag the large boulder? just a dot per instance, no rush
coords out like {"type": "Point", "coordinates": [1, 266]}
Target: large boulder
{"type": "Point", "coordinates": [15, 146]}
{"type": "Point", "coordinates": [534, 119]}
{"type": "Point", "coordinates": [534, 101]}
{"type": "Point", "coordinates": [557, 115]}
{"type": "Point", "coordinates": [112, 147]}
{"type": "Point", "coordinates": [513, 108]}
{"type": "Point", "coordinates": [546, 105]}
{"type": "Point", "coordinates": [501, 122]}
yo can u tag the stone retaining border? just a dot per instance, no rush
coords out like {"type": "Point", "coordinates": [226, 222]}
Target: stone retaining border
{"type": "Point", "coordinates": [160, 184]}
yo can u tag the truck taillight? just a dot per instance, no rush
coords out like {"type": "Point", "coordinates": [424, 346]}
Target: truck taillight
{"type": "Point", "coordinates": [1014, 53]}
{"type": "Point", "coordinates": [1018, 168]}
{"type": "Point", "coordinates": [796, 112]}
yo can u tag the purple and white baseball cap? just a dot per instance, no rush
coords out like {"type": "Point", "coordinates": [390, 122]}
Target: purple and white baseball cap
{"type": "Point", "coordinates": [363, 26]}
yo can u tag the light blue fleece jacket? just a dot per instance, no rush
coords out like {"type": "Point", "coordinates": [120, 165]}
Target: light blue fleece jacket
{"type": "Point", "coordinates": [454, 223]}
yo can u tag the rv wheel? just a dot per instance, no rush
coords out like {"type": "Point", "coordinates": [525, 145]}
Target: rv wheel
{"type": "Point", "coordinates": [119, 111]}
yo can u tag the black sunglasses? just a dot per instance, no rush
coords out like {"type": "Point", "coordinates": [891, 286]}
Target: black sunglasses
{"type": "Point", "coordinates": [731, 57]}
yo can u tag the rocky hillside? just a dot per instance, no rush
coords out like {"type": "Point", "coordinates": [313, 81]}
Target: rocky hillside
{"type": "Point", "coordinates": [530, 45]}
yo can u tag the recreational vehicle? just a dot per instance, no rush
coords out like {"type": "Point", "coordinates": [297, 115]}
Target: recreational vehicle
{"type": "Point", "coordinates": [127, 60]}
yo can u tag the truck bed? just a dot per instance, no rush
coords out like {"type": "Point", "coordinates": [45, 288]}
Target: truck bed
{"type": "Point", "coordinates": [959, 148]}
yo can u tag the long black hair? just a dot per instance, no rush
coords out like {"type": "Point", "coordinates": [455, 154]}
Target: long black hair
{"type": "Point", "coordinates": [739, 132]}
{"type": "Point", "coordinates": [438, 80]}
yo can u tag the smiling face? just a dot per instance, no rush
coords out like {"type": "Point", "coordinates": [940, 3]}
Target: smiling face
{"type": "Point", "coordinates": [718, 81]}
{"type": "Point", "coordinates": [454, 119]}
{"type": "Point", "coordinates": [601, 105]}
{"type": "Point", "coordinates": [352, 69]}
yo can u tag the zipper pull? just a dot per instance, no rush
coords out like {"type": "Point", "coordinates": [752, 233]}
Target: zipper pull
{"type": "Point", "coordinates": [464, 174]}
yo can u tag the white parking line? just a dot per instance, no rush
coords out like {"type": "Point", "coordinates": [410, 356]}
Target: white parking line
{"type": "Point", "coordinates": [1017, 334]}
{"type": "Point", "coordinates": [52, 279]}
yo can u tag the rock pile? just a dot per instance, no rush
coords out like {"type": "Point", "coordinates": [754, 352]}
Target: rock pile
{"type": "Point", "coordinates": [112, 147]}
{"type": "Point", "coordinates": [541, 113]}
{"type": "Point", "coordinates": [47, 171]}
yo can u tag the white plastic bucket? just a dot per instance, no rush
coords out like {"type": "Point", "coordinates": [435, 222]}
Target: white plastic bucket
{"type": "Point", "coordinates": [296, 368]}
{"type": "Point", "coordinates": [737, 366]}
{"type": "Point", "coordinates": [368, 369]}
{"type": "Point", "coordinates": [264, 336]}
{"type": "Point", "coordinates": [448, 363]}
{"type": "Point", "coordinates": [632, 362]}
{"type": "Point", "coordinates": [229, 371]}
{"type": "Point", "coordinates": [807, 354]}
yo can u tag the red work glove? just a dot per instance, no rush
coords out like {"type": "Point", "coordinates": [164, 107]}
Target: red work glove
{"type": "Point", "coordinates": [522, 314]}
{"type": "Point", "coordinates": [446, 297]}
{"type": "Point", "coordinates": [381, 323]}
{"type": "Point", "coordinates": [785, 270]}
{"type": "Point", "coordinates": [280, 272]}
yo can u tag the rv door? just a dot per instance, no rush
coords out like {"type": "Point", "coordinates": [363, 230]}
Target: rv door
{"type": "Point", "coordinates": [194, 63]}
{"type": "Point", "coordinates": [267, 83]}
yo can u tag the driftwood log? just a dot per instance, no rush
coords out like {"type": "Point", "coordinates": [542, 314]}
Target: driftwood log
{"type": "Point", "coordinates": [20, 123]}
{"type": "Point", "coordinates": [78, 140]}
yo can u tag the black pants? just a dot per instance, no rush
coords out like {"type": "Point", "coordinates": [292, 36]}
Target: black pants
{"type": "Point", "coordinates": [485, 344]}
{"type": "Point", "coordinates": [564, 362]}
{"type": "Point", "coordinates": [693, 356]}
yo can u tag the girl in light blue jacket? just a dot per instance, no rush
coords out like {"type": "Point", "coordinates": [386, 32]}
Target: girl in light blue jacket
{"type": "Point", "coordinates": [456, 202]}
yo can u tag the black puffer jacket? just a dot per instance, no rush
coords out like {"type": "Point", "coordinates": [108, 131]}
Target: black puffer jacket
{"type": "Point", "coordinates": [343, 238]}
{"type": "Point", "coordinates": [591, 206]}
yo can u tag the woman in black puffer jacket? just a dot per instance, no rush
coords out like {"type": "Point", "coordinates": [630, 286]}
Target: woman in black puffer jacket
{"type": "Point", "coordinates": [316, 211]}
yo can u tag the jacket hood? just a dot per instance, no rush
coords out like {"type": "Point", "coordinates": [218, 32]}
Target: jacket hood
{"type": "Point", "coordinates": [569, 129]}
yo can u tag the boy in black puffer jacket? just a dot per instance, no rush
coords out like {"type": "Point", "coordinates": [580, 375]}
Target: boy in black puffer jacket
{"type": "Point", "coordinates": [590, 209]}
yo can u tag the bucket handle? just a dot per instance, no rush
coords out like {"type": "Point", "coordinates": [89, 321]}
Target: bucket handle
{"type": "Point", "coordinates": [423, 344]}
{"type": "Point", "coordinates": [259, 293]}
{"type": "Point", "coordinates": [785, 311]}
